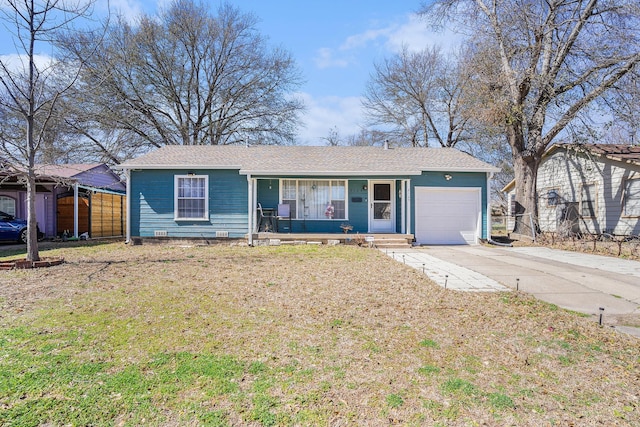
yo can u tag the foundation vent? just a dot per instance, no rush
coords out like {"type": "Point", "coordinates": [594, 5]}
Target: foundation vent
{"type": "Point", "coordinates": [160, 233]}
{"type": "Point", "coordinates": [221, 234]}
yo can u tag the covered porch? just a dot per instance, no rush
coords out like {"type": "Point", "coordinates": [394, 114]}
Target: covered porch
{"type": "Point", "coordinates": [329, 207]}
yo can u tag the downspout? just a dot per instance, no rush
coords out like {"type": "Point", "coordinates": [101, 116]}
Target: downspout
{"type": "Point", "coordinates": [128, 216]}
{"type": "Point", "coordinates": [75, 210]}
{"type": "Point", "coordinates": [250, 210]}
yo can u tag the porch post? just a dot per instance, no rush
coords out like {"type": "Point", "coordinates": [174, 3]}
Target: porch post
{"type": "Point", "coordinates": [403, 206]}
{"type": "Point", "coordinates": [75, 210]}
{"type": "Point", "coordinates": [128, 203]}
{"type": "Point", "coordinates": [409, 212]}
{"type": "Point", "coordinates": [250, 210]}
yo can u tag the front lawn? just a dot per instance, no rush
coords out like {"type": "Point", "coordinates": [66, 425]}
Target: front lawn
{"type": "Point", "coordinates": [293, 335]}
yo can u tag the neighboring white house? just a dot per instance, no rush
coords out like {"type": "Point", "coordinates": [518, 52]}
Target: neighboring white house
{"type": "Point", "coordinates": [592, 188]}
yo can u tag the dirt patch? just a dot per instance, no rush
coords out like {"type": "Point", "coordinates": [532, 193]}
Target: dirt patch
{"type": "Point", "coordinates": [352, 336]}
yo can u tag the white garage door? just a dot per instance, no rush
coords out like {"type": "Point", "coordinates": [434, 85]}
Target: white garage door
{"type": "Point", "coordinates": [447, 216]}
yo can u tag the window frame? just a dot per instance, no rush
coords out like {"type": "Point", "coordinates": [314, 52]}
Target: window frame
{"type": "Point", "coordinates": [15, 204]}
{"type": "Point", "coordinates": [625, 198]}
{"type": "Point", "coordinates": [555, 197]}
{"type": "Point", "coordinates": [330, 183]}
{"type": "Point", "coordinates": [176, 197]}
{"type": "Point", "coordinates": [593, 200]}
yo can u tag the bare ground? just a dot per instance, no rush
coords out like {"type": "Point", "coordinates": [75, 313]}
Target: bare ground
{"type": "Point", "coordinates": [369, 329]}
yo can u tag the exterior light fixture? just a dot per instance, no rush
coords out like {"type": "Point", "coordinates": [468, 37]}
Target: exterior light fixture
{"type": "Point", "coordinates": [447, 177]}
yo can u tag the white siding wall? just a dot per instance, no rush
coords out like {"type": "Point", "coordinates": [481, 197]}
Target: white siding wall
{"type": "Point", "coordinates": [567, 172]}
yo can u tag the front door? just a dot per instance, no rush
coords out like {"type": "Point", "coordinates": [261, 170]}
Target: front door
{"type": "Point", "coordinates": [382, 207]}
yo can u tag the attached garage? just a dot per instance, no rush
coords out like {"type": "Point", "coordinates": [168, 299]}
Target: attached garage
{"type": "Point", "coordinates": [448, 216]}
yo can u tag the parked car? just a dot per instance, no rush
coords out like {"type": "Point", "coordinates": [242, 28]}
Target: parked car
{"type": "Point", "coordinates": [13, 229]}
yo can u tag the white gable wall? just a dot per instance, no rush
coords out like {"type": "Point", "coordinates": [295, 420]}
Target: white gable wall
{"type": "Point", "coordinates": [567, 172]}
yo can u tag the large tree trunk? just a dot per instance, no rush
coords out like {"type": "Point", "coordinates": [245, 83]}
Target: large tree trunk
{"type": "Point", "coordinates": [32, 229]}
{"type": "Point", "coordinates": [526, 209]}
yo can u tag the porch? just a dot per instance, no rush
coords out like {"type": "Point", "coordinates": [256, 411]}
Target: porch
{"type": "Point", "coordinates": [379, 240]}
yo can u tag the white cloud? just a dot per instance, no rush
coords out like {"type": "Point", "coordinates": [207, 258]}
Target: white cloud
{"type": "Point", "coordinates": [416, 35]}
{"type": "Point", "coordinates": [130, 10]}
{"type": "Point", "coordinates": [19, 63]}
{"type": "Point", "coordinates": [325, 113]}
{"type": "Point", "coordinates": [325, 58]}
{"type": "Point", "coordinates": [361, 40]}
{"type": "Point", "coordinates": [413, 33]}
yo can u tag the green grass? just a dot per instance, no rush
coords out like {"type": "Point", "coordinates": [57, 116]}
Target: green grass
{"type": "Point", "coordinates": [394, 400]}
{"type": "Point", "coordinates": [44, 379]}
{"type": "Point", "coordinates": [291, 336]}
{"type": "Point", "coordinates": [429, 343]}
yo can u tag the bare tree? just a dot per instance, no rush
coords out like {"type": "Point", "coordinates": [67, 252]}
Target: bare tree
{"type": "Point", "coordinates": [624, 126]}
{"type": "Point", "coordinates": [187, 77]}
{"type": "Point", "coordinates": [420, 95]}
{"type": "Point", "coordinates": [555, 59]}
{"type": "Point", "coordinates": [333, 138]}
{"type": "Point", "coordinates": [31, 88]}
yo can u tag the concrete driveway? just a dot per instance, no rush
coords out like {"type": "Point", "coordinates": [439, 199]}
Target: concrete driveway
{"type": "Point", "coordinates": [572, 280]}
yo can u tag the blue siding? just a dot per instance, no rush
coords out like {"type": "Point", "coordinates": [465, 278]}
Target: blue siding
{"type": "Point", "coordinates": [358, 206]}
{"type": "Point", "coordinates": [357, 199]}
{"type": "Point", "coordinates": [459, 179]}
{"type": "Point", "coordinates": [152, 204]}
{"type": "Point", "coordinates": [269, 197]}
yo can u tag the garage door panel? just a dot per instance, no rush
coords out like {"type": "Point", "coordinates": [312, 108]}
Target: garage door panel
{"type": "Point", "coordinates": [447, 215]}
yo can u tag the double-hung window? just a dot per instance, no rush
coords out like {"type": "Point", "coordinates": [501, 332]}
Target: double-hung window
{"type": "Point", "coordinates": [8, 205]}
{"type": "Point", "coordinates": [315, 198]}
{"type": "Point", "coordinates": [191, 197]}
{"type": "Point", "coordinates": [632, 197]}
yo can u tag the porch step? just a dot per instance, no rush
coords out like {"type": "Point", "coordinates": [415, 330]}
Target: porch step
{"type": "Point", "coordinates": [392, 243]}
{"type": "Point", "coordinates": [379, 240]}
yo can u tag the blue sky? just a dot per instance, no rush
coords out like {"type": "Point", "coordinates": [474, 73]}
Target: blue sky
{"type": "Point", "coordinates": [334, 43]}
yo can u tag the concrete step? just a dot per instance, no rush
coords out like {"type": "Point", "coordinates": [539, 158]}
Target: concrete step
{"type": "Point", "coordinates": [383, 245]}
{"type": "Point", "coordinates": [392, 243]}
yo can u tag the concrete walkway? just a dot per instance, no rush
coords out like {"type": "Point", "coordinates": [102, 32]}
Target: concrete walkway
{"type": "Point", "coordinates": [444, 273]}
{"type": "Point", "coordinates": [572, 280]}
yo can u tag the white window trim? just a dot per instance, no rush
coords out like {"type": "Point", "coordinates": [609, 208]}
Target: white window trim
{"type": "Point", "coordinates": [206, 197]}
{"type": "Point", "coordinates": [297, 181]}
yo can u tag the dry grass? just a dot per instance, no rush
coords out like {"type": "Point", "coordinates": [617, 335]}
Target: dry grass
{"type": "Point", "coordinates": [321, 336]}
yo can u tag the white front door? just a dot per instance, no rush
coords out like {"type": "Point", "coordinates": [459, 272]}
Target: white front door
{"type": "Point", "coordinates": [382, 217]}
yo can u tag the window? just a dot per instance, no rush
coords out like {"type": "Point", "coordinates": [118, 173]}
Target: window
{"type": "Point", "coordinates": [289, 192]}
{"type": "Point", "coordinates": [588, 201]}
{"type": "Point", "coordinates": [8, 205]}
{"type": "Point", "coordinates": [632, 197]}
{"type": "Point", "coordinates": [315, 199]}
{"type": "Point", "coordinates": [191, 197]}
{"type": "Point", "coordinates": [553, 198]}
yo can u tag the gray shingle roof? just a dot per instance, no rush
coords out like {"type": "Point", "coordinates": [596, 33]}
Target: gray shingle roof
{"type": "Point", "coordinates": [310, 160]}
